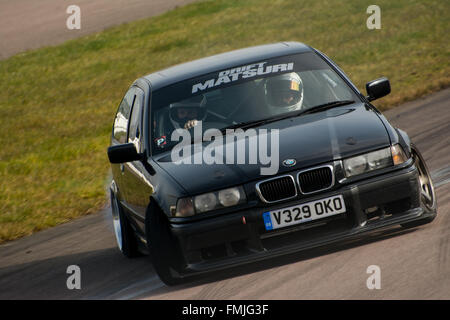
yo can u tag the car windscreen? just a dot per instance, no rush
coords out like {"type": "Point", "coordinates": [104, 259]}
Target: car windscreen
{"type": "Point", "coordinates": [244, 93]}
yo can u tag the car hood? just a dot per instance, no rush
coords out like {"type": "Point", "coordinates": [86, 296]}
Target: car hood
{"type": "Point", "coordinates": [310, 140]}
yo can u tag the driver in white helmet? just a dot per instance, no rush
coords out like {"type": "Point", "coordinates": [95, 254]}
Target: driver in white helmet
{"type": "Point", "coordinates": [187, 113]}
{"type": "Point", "coordinates": [284, 93]}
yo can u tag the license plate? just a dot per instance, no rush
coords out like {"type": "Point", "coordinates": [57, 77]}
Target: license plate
{"type": "Point", "coordinates": [304, 212]}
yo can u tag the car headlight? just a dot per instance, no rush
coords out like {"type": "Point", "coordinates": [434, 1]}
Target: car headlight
{"type": "Point", "coordinates": [368, 162]}
{"type": "Point", "coordinates": [229, 197]}
{"type": "Point", "coordinates": [205, 202]}
{"type": "Point", "coordinates": [210, 201]}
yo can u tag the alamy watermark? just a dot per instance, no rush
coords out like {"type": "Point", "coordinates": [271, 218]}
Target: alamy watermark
{"type": "Point", "coordinates": [74, 280]}
{"type": "Point", "coordinates": [374, 281]}
{"type": "Point", "coordinates": [73, 22]}
{"type": "Point", "coordinates": [374, 20]}
{"type": "Point", "coordinates": [235, 147]}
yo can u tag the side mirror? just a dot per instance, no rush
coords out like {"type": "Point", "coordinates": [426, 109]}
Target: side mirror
{"type": "Point", "coordinates": [378, 88]}
{"type": "Point", "coordinates": [123, 153]}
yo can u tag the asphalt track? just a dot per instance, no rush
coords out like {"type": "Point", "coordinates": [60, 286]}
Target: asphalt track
{"type": "Point", "coordinates": [31, 24]}
{"type": "Point", "coordinates": [414, 263]}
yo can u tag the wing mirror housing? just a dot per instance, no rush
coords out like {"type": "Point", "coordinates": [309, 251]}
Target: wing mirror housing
{"type": "Point", "coordinates": [122, 153]}
{"type": "Point", "coordinates": [378, 88]}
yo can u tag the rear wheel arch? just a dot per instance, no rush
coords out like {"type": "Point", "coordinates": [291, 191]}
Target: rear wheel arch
{"type": "Point", "coordinates": [125, 235]}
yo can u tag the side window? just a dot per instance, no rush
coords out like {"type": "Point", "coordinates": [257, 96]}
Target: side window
{"type": "Point", "coordinates": [135, 126]}
{"type": "Point", "coordinates": [122, 116]}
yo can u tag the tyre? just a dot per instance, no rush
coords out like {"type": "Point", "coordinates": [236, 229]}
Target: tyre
{"type": "Point", "coordinates": [427, 193]}
{"type": "Point", "coordinates": [126, 240]}
{"type": "Point", "coordinates": [164, 251]}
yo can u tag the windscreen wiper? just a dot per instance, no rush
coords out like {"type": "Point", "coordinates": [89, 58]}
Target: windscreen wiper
{"type": "Point", "coordinates": [256, 123]}
{"type": "Point", "coordinates": [325, 106]}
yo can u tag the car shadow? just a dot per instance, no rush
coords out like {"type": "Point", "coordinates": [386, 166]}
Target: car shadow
{"type": "Point", "coordinates": [104, 274]}
{"type": "Point", "coordinates": [280, 261]}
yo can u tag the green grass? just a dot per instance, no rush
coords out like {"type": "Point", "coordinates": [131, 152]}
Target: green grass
{"type": "Point", "coordinates": [57, 103]}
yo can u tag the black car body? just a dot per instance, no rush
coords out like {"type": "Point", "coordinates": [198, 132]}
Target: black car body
{"type": "Point", "coordinates": [319, 152]}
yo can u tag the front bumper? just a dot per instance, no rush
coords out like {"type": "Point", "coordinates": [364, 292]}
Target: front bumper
{"type": "Point", "coordinates": [230, 240]}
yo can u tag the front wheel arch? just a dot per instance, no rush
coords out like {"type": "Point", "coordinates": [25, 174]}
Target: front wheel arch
{"type": "Point", "coordinates": [163, 247]}
{"type": "Point", "coordinates": [430, 207]}
{"type": "Point", "coordinates": [405, 140]}
{"type": "Point", "coordinates": [423, 169]}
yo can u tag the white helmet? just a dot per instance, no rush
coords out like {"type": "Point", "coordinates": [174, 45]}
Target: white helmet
{"type": "Point", "coordinates": [193, 108]}
{"type": "Point", "coordinates": [284, 93]}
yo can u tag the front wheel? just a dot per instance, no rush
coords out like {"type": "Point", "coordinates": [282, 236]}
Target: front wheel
{"type": "Point", "coordinates": [162, 246]}
{"type": "Point", "coordinates": [427, 193]}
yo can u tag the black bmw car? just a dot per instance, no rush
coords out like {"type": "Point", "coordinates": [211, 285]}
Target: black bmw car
{"type": "Point", "coordinates": [253, 154]}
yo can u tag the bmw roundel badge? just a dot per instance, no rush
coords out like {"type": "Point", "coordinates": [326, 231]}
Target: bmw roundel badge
{"type": "Point", "coordinates": [289, 162]}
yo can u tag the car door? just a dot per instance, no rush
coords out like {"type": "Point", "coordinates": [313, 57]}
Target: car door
{"type": "Point", "coordinates": [135, 177]}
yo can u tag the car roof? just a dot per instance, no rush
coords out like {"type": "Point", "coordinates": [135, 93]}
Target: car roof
{"type": "Point", "coordinates": [222, 61]}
